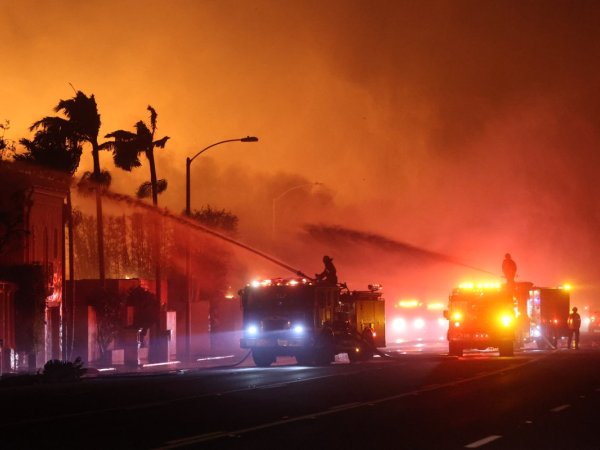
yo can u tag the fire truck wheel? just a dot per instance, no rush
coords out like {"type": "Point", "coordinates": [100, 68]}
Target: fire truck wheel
{"type": "Point", "coordinates": [368, 345]}
{"type": "Point", "coordinates": [506, 348]}
{"type": "Point", "coordinates": [324, 351]}
{"type": "Point", "coordinates": [354, 354]}
{"type": "Point", "coordinates": [263, 358]}
{"type": "Point", "coordinates": [455, 348]}
{"type": "Point", "coordinates": [542, 344]}
{"type": "Point", "coordinates": [305, 358]}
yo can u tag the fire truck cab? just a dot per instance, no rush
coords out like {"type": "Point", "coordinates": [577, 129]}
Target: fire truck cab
{"type": "Point", "coordinates": [481, 316]}
{"type": "Point", "coordinates": [310, 321]}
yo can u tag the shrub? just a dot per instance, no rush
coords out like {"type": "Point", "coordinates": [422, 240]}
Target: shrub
{"type": "Point", "coordinates": [56, 370]}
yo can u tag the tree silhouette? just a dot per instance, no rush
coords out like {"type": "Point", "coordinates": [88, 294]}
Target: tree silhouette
{"type": "Point", "coordinates": [6, 146]}
{"type": "Point", "coordinates": [218, 219]}
{"type": "Point", "coordinates": [128, 146]}
{"type": "Point", "coordinates": [53, 148]}
{"type": "Point", "coordinates": [82, 124]}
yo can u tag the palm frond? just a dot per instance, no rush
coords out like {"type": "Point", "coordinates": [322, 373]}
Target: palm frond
{"type": "Point", "coordinates": [153, 116]}
{"type": "Point", "coordinates": [161, 186]}
{"type": "Point", "coordinates": [145, 190]}
{"type": "Point", "coordinates": [122, 135]}
{"type": "Point", "coordinates": [82, 112]}
{"type": "Point", "coordinates": [126, 154]}
{"type": "Point", "coordinates": [161, 142]}
{"type": "Point", "coordinates": [49, 122]}
{"type": "Point", "coordinates": [108, 145]}
{"type": "Point", "coordinates": [143, 134]}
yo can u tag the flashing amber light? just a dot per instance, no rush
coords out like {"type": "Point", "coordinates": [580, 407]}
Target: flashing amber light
{"type": "Point", "coordinates": [279, 282]}
{"type": "Point", "coordinates": [408, 303]}
{"type": "Point", "coordinates": [435, 306]}
{"type": "Point", "coordinates": [481, 285]}
{"type": "Point", "coordinates": [566, 287]}
{"type": "Point", "coordinates": [506, 320]}
{"type": "Point", "coordinates": [456, 315]}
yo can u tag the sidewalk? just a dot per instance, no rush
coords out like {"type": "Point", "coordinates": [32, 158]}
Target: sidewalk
{"type": "Point", "coordinates": [227, 359]}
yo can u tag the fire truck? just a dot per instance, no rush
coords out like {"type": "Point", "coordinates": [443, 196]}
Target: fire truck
{"type": "Point", "coordinates": [311, 321]}
{"type": "Point", "coordinates": [548, 311]}
{"type": "Point", "coordinates": [495, 315]}
{"type": "Point", "coordinates": [481, 316]}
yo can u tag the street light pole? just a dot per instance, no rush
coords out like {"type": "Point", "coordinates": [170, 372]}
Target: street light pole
{"type": "Point", "coordinates": [188, 213]}
{"type": "Point", "coordinates": [188, 163]}
{"type": "Point", "coordinates": [293, 188]}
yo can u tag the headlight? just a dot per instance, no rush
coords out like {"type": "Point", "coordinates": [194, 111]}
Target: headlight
{"type": "Point", "coordinates": [252, 330]}
{"type": "Point", "coordinates": [457, 316]}
{"type": "Point", "coordinates": [298, 329]}
{"type": "Point", "coordinates": [506, 320]}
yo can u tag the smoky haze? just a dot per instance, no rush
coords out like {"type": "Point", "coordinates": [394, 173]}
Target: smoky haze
{"type": "Point", "coordinates": [464, 128]}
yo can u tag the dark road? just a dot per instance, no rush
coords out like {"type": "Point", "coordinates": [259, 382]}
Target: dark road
{"type": "Point", "coordinates": [413, 401]}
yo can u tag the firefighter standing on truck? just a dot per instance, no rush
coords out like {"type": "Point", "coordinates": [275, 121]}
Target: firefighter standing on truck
{"type": "Point", "coordinates": [509, 269]}
{"type": "Point", "coordinates": [329, 274]}
{"type": "Point", "coordinates": [574, 323]}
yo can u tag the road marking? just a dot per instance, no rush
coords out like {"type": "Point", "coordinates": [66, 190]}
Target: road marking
{"type": "Point", "coordinates": [345, 406]}
{"type": "Point", "coordinates": [560, 408]}
{"type": "Point", "coordinates": [483, 441]}
{"type": "Point", "coordinates": [337, 409]}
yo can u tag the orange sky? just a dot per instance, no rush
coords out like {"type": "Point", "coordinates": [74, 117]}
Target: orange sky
{"type": "Point", "coordinates": [468, 128]}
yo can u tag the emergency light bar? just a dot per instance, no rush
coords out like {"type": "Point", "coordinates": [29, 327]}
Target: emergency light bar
{"type": "Point", "coordinates": [279, 282]}
{"type": "Point", "coordinates": [480, 286]}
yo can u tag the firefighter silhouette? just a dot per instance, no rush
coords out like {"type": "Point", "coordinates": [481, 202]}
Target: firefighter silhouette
{"type": "Point", "coordinates": [574, 322]}
{"type": "Point", "coordinates": [329, 274]}
{"type": "Point", "coordinates": [509, 269]}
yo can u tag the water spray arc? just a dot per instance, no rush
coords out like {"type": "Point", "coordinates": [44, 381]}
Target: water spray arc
{"type": "Point", "coordinates": [181, 219]}
{"type": "Point", "coordinates": [329, 233]}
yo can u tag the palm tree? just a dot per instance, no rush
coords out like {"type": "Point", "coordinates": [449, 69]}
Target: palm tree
{"type": "Point", "coordinates": [127, 147]}
{"type": "Point", "coordinates": [82, 124]}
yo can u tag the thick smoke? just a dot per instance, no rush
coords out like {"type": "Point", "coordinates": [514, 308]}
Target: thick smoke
{"type": "Point", "coordinates": [466, 128]}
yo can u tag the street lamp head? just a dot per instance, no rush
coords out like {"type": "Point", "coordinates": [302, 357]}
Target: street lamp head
{"type": "Point", "coordinates": [249, 139]}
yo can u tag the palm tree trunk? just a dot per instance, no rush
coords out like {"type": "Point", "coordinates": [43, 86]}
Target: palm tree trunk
{"type": "Point", "coordinates": [99, 216]}
{"type": "Point", "coordinates": [71, 290]}
{"type": "Point", "coordinates": [100, 234]}
{"type": "Point", "coordinates": [157, 227]}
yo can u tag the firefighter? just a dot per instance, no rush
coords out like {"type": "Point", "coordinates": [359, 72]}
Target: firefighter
{"type": "Point", "coordinates": [329, 274]}
{"type": "Point", "coordinates": [574, 323]}
{"type": "Point", "coordinates": [509, 269]}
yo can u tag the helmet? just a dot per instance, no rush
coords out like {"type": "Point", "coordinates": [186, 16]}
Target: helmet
{"type": "Point", "coordinates": [507, 256]}
{"type": "Point", "coordinates": [574, 308]}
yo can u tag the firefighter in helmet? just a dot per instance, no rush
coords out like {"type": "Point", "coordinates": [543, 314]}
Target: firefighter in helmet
{"type": "Point", "coordinates": [329, 274]}
{"type": "Point", "coordinates": [509, 269]}
{"type": "Point", "coordinates": [574, 322]}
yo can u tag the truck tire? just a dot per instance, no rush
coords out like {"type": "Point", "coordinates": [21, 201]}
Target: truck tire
{"type": "Point", "coordinates": [263, 358]}
{"type": "Point", "coordinates": [354, 354]}
{"type": "Point", "coordinates": [455, 348]}
{"type": "Point", "coordinates": [506, 348]}
{"type": "Point", "coordinates": [305, 358]}
{"type": "Point", "coordinates": [324, 351]}
{"type": "Point", "coordinates": [368, 345]}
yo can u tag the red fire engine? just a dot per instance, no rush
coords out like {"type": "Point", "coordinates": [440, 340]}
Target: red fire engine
{"type": "Point", "coordinates": [310, 321]}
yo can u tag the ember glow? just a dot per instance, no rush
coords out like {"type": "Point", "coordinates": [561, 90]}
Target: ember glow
{"type": "Point", "coordinates": [467, 129]}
